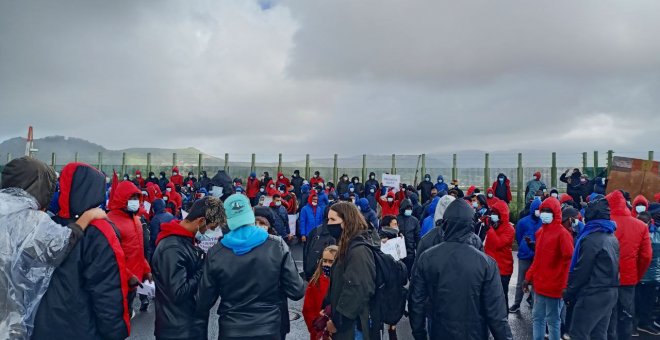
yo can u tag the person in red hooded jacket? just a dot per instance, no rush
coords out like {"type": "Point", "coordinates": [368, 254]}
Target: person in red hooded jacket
{"type": "Point", "coordinates": [549, 270]}
{"type": "Point", "coordinates": [316, 179]}
{"type": "Point", "coordinates": [502, 188]}
{"type": "Point", "coordinates": [138, 180]}
{"type": "Point", "coordinates": [317, 290]}
{"type": "Point", "coordinates": [174, 196]}
{"type": "Point", "coordinates": [499, 240]}
{"type": "Point", "coordinates": [490, 197]}
{"type": "Point", "coordinates": [389, 204]}
{"type": "Point", "coordinates": [176, 178]}
{"type": "Point", "coordinates": [635, 255]}
{"type": "Point", "coordinates": [124, 205]}
{"type": "Point", "coordinates": [281, 179]}
{"type": "Point", "coordinates": [253, 184]}
{"type": "Point", "coordinates": [640, 205]}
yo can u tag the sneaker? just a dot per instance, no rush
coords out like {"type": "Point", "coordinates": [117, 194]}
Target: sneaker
{"type": "Point", "coordinates": [514, 309]}
{"type": "Point", "coordinates": [132, 313]}
{"type": "Point", "coordinates": [649, 329]}
{"type": "Point", "coordinates": [566, 336]}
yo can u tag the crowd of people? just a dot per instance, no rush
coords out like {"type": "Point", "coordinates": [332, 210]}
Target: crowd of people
{"type": "Point", "coordinates": [79, 247]}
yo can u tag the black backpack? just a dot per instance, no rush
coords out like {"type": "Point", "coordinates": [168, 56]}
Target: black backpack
{"type": "Point", "coordinates": [389, 301]}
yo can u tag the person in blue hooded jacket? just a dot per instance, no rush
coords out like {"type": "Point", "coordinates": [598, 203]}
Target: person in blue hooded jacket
{"type": "Point", "coordinates": [441, 185]}
{"type": "Point", "coordinates": [311, 216]}
{"type": "Point", "coordinates": [368, 213]}
{"type": "Point", "coordinates": [304, 196]}
{"type": "Point", "coordinates": [526, 237]}
{"type": "Point", "coordinates": [428, 223]}
{"type": "Point", "coordinates": [351, 191]}
{"type": "Point", "coordinates": [160, 216]}
{"type": "Point", "coordinates": [370, 195]}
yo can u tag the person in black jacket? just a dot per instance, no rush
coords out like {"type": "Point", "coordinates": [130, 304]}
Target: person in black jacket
{"type": "Point", "coordinates": [297, 183]}
{"type": "Point", "coordinates": [177, 268]}
{"type": "Point", "coordinates": [573, 184]}
{"type": "Point", "coordinates": [86, 298]}
{"type": "Point", "coordinates": [425, 188]}
{"type": "Point", "coordinates": [160, 216]}
{"type": "Point", "coordinates": [456, 274]}
{"type": "Point", "coordinates": [162, 181]}
{"type": "Point", "coordinates": [317, 240]}
{"type": "Point", "coordinates": [372, 181]}
{"type": "Point", "coordinates": [252, 273]}
{"type": "Point", "coordinates": [409, 226]}
{"type": "Point", "coordinates": [152, 179]}
{"type": "Point", "coordinates": [593, 279]}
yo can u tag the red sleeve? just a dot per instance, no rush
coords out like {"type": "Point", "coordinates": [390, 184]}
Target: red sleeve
{"type": "Point", "coordinates": [494, 187]}
{"type": "Point", "coordinates": [530, 272]}
{"type": "Point", "coordinates": [309, 307]}
{"type": "Point", "coordinates": [508, 191]}
{"type": "Point", "coordinates": [503, 240]}
{"type": "Point", "coordinates": [645, 254]}
{"type": "Point", "coordinates": [566, 246]}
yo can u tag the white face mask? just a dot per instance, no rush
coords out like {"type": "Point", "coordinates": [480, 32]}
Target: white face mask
{"type": "Point", "coordinates": [138, 176]}
{"type": "Point", "coordinates": [315, 204]}
{"type": "Point", "coordinates": [168, 189]}
{"type": "Point", "coordinates": [546, 217]}
{"type": "Point", "coordinates": [152, 177]}
{"type": "Point", "coordinates": [371, 191]}
{"type": "Point", "coordinates": [175, 173]}
{"type": "Point", "coordinates": [537, 213]}
{"type": "Point", "coordinates": [554, 195]}
{"type": "Point", "coordinates": [490, 195]}
{"type": "Point", "coordinates": [390, 199]}
{"type": "Point", "coordinates": [261, 190]}
{"type": "Point", "coordinates": [133, 205]}
{"type": "Point", "coordinates": [165, 198]}
{"type": "Point", "coordinates": [640, 209]}
{"type": "Point", "coordinates": [278, 203]}
{"type": "Point", "coordinates": [575, 223]}
{"type": "Point", "coordinates": [372, 177]}
{"type": "Point", "coordinates": [475, 204]}
{"type": "Point", "coordinates": [494, 218]}
{"type": "Point", "coordinates": [351, 189]}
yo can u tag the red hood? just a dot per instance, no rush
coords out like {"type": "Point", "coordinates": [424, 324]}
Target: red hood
{"type": "Point", "coordinates": [176, 169]}
{"type": "Point", "coordinates": [312, 194]}
{"type": "Point", "coordinates": [502, 210]}
{"type": "Point", "coordinates": [471, 190]}
{"type": "Point", "coordinates": [490, 191]}
{"type": "Point", "coordinates": [123, 192]}
{"type": "Point", "coordinates": [89, 185]}
{"type": "Point", "coordinates": [617, 203]}
{"type": "Point", "coordinates": [173, 228]}
{"type": "Point", "coordinates": [565, 198]}
{"type": "Point", "coordinates": [391, 194]}
{"type": "Point", "coordinates": [639, 200]}
{"type": "Point", "coordinates": [554, 205]}
{"type": "Point", "coordinates": [171, 186]}
{"type": "Point", "coordinates": [280, 174]}
{"type": "Point", "coordinates": [153, 191]}
{"type": "Point", "coordinates": [138, 172]}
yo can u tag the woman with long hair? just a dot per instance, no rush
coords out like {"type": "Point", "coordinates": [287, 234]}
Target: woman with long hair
{"type": "Point", "coordinates": [352, 281]}
{"type": "Point", "coordinates": [317, 289]}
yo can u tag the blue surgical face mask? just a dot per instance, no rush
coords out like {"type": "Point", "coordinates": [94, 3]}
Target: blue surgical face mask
{"type": "Point", "coordinates": [501, 180]}
{"type": "Point", "coordinates": [546, 217]}
{"type": "Point", "coordinates": [407, 212]}
{"type": "Point", "coordinates": [428, 179]}
{"type": "Point", "coordinates": [494, 218]}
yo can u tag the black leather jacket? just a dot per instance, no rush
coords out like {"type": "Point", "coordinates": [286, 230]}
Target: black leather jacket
{"type": "Point", "coordinates": [177, 266]}
{"type": "Point", "coordinates": [250, 287]}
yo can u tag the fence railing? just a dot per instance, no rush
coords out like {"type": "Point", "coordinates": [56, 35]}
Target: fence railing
{"type": "Point", "coordinates": [409, 167]}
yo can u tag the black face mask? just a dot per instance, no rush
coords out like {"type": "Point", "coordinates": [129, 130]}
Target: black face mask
{"type": "Point", "coordinates": [335, 230]}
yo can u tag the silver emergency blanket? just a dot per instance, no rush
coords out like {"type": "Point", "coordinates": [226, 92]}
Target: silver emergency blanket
{"type": "Point", "coordinates": [31, 247]}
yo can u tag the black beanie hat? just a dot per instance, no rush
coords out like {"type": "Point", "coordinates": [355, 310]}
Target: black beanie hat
{"type": "Point", "coordinates": [597, 210]}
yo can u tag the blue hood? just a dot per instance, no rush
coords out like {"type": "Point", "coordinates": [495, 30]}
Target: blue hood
{"type": "Point", "coordinates": [368, 191]}
{"type": "Point", "coordinates": [242, 240]}
{"type": "Point", "coordinates": [594, 196]}
{"type": "Point", "coordinates": [363, 203]}
{"type": "Point", "coordinates": [414, 199]}
{"type": "Point", "coordinates": [253, 174]}
{"type": "Point", "coordinates": [431, 208]}
{"type": "Point", "coordinates": [536, 204]}
{"type": "Point", "coordinates": [159, 206]}
{"type": "Point", "coordinates": [305, 188]}
{"type": "Point", "coordinates": [441, 178]}
{"type": "Point", "coordinates": [350, 185]}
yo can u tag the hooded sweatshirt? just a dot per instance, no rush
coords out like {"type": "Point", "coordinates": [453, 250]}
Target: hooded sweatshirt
{"type": "Point", "coordinates": [639, 200]}
{"type": "Point", "coordinates": [176, 179]}
{"type": "Point", "coordinates": [554, 250]}
{"type": "Point", "coordinates": [441, 185]}
{"type": "Point", "coordinates": [428, 223]}
{"type": "Point", "coordinates": [499, 240]}
{"type": "Point", "coordinates": [242, 240]}
{"type": "Point", "coordinates": [389, 208]}
{"type": "Point", "coordinates": [528, 226]}
{"type": "Point", "coordinates": [502, 190]}
{"type": "Point", "coordinates": [368, 213]}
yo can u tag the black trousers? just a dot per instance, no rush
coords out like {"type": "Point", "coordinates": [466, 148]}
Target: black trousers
{"type": "Point", "coordinates": [131, 297]}
{"type": "Point", "coordinates": [505, 287]}
{"type": "Point", "coordinates": [646, 295]}
{"type": "Point", "coordinates": [591, 313]}
{"type": "Point", "coordinates": [621, 322]}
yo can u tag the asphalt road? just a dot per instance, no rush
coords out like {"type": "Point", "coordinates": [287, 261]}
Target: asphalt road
{"type": "Point", "coordinates": [521, 324]}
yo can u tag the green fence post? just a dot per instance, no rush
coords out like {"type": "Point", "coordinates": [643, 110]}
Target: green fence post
{"type": "Point", "coordinates": [595, 163]}
{"type": "Point", "coordinates": [454, 170]}
{"type": "Point", "coordinates": [393, 172]}
{"type": "Point", "coordinates": [335, 171]}
{"type": "Point", "coordinates": [520, 190]}
{"type": "Point", "coordinates": [148, 162]}
{"type": "Point", "coordinates": [585, 162]}
{"type": "Point", "coordinates": [553, 171]}
{"type": "Point", "coordinates": [9, 157]}
{"type": "Point", "coordinates": [253, 163]}
{"type": "Point", "coordinates": [52, 160]}
{"type": "Point", "coordinates": [307, 174]}
{"type": "Point", "coordinates": [75, 157]}
{"type": "Point", "coordinates": [199, 165]}
{"type": "Point", "coordinates": [610, 159]}
{"type": "Point", "coordinates": [364, 168]}
{"type": "Point", "coordinates": [279, 163]}
{"type": "Point", "coordinates": [173, 159]}
{"type": "Point", "coordinates": [100, 161]}
{"type": "Point", "coordinates": [423, 166]}
{"type": "Point", "coordinates": [486, 171]}
{"type": "Point", "coordinates": [123, 162]}
{"type": "Point", "coordinates": [226, 162]}
{"type": "Point", "coordinates": [650, 155]}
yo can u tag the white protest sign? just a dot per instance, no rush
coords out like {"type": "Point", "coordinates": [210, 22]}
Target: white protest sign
{"type": "Point", "coordinates": [392, 181]}
{"type": "Point", "coordinates": [148, 288]}
{"type": "Point", "coordinates": [267, 201]}
{"type": "Point", "coordinates": [292, 224]}
{"type": "Point", "coordinates": [395, 247]}
{"type": "Point", "coordinates": [184, 214]}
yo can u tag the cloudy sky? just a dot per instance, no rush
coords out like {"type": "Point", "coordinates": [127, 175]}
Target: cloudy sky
{"type": "Point", "coordinates": [348, 77]}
